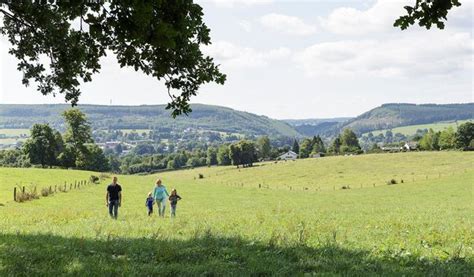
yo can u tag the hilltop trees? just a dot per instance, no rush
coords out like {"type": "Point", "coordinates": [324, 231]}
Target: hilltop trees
{"type": "Point", "coordinates": [318, 145]}
{"type": "Point", "coordinates": [447, 139]}
{"type": "Point", "coordinates": [296, 147]}
{"type": "Point", "coordinates": [243, 153]}
{"type": "Point", "coordinates": [335, 147]}
{"type": "Point", "coordinates": [78, 130]}
{"type": "Point", "coordinates": [43, 145]}
{"type": "Point", "coordinates": [223, 155]}
{"type": "Point", "coordinates": [264, 147]}
{"type": "Point", "coordinates": [430, 141]}
{"type": "Point", "coordinates": [345, 143]}
{"type": "Point", "coordinates": [311, 146]}
{"type": "Point", "coordinates": [465, 136]}
{"type": "Point", "coordinates": [211, 157]}
{"type": "Point", "coordinates": [77, 138]}
{"type": "Point", "coordinates": [48, 148]}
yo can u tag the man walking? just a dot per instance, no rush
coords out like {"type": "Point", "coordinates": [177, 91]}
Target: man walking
{"type": "Point", "coordinates": [113, 198]}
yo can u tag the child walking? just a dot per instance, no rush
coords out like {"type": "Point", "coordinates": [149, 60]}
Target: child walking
{"type": "Point", "coordinates": [149, 203]}
{"type": "Point", "coordinates": [174, 197]}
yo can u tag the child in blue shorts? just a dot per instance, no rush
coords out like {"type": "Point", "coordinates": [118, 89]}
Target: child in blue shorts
{"type": "Point", "coordinates": [149, 203]}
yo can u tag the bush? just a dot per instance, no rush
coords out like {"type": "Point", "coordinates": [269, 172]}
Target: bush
{"type": "Point", "coordinates": [94, 179]}
{"type": "Point", "coordinates": [62, 188]}
{"type": "Point", "coordinates": [392, 182]}
{"type": "Point", "coordinates": [46, 191]}
{"type": "Point", "coordinates": [28, 195]}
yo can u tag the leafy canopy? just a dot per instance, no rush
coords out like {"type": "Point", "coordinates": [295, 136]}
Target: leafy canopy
{"type": "Point", "coordinates": [427, 13]}
{"type": "Point", "coordinates": [59, 43]}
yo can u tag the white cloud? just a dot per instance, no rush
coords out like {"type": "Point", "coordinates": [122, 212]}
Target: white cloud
{"type": "Point", "coordinates": [231, 55]}
{"type": "Point", "coordinates": [381, 16]}
{"type": "Point", "coordinates": [289, 25]}
{"type": "Point", "coordinates": [351, 21]}
{"type": "Point", "coordinates": [232, 3]}
{"type": "Point", "coordinates": [435, 54]}
{"type": "Point", "coordinates": [245, 25]}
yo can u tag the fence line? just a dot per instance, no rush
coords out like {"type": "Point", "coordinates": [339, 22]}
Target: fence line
{"type": "Point", "coordinates": [20, 193]}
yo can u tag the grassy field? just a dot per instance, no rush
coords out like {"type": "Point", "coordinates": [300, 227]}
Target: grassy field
{"type": "Point", "coordinates": [299, 220]}
{"type": "Point", "coordinates": [14, 132]}
{"type": "Point", "coordinates": [138, 131]}
{"type": "Point", "coordinates": [411, 129]}
{"type": "Point", "coordinates": [12, 136]}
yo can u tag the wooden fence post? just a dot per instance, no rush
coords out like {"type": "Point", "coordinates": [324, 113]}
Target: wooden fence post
{"type": "Point", "coordinates": [14, 194]}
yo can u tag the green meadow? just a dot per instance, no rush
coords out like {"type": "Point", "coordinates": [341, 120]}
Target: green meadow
{"type": "Point", "coordinates": [411, 129]}
{"type": "Point", "coordinates": [285, 218]}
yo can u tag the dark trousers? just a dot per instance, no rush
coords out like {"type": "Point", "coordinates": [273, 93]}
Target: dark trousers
{"type": "Point", "coordinates": [150, 209]}
{"type": "Point", "coordinates": [113, 208]}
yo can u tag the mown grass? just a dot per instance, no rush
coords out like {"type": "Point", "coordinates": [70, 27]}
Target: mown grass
{"type": "Point", "coordinates": [421, 227]}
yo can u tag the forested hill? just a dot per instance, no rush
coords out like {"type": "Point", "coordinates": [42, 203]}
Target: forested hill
{"type": "Point", "coordinates": [222, 119]}
{"type": "Point", "coordinates": [312, 127]}
{"type": "Point", "coordinates": [205, 117]}
{"type": "Point", "coordinates": [394, 115]}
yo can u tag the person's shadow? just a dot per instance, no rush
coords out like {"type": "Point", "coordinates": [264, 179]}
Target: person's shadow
{"type": "Point", "coordinates": [49, 255]}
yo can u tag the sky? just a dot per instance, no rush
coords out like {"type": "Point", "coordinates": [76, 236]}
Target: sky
{"type": "Point", "coordinates": [300, 59]}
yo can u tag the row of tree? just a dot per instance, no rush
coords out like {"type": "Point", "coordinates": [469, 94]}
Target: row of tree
{"type": "Point", "coordinates": [76, 149]}
{"type": "Point", "coordinates": [345, 143]}
{"type": "Point", "coordinates": [463, 138]}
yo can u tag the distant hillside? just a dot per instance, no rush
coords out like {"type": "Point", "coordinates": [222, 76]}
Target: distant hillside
{"type": "Point", "coordinates": [313, 127]}
{"type": "Point", "coordinates": [205, 117]}
{"type": "Point", "coordinates": [315, 121]}
{"type": "Point", "coordinates": [390, 116]}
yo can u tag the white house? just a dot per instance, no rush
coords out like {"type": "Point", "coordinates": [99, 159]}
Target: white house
{"type": "Point", "coordinates": [290, 155]}
{"type": "Point", "coordinates": [410, 146]}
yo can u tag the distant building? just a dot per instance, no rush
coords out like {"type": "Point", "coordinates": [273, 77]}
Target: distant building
{"type": "Point", "coordinates": [409, 146]}
{"type": "Point", "coordinates": [290, 155]}
{"type": "Point", "coordinates": [108, 145]}
{"type": "Point", "coordinates": [392, 148]}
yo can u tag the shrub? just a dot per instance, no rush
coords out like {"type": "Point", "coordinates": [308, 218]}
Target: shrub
{"type": "Point", "coordinates": [94, 179]}
{"type": "Point", "coordinates": [392, 182]}
{"type": "Point", "coordinates": [46, 191]}
{"type": "Point", "coordinates": [27, 195]}
{"type": "Point", "coordinates": [62, 188]}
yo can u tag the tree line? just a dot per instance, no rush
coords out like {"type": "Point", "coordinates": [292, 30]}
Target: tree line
{"type": "Point", "coordinates": [75, 148]}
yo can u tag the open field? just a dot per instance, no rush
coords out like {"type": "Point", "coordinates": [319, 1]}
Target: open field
{"type": "Point", "coordinates": [411, 129]}
{"type": "Point", "coordinates": [302, 223]}
{"type": "Point", "coordinates": [12, 136]}
{"type": "Point", "coordinates": [138, 131]}
{"type": "Point", "coordinates": [15, 132]}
